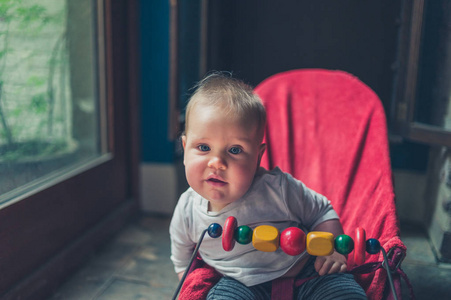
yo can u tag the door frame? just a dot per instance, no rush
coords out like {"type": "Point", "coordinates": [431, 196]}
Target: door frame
{"type": "Point", "coordinates": [46, 236]}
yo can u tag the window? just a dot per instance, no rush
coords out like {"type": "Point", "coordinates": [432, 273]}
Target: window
{"type": "Point", "coordinates": [422, 110]}
{"type": "Point", "coordinates": [68, 82]}
{"type": "Point", "coordinates": [51, 107]}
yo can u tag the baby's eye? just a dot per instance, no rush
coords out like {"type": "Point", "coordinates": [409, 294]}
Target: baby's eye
{"type": "Point", "coordinates": [203, 148]}
{"type": "Point", "coordinates": [235, 150]}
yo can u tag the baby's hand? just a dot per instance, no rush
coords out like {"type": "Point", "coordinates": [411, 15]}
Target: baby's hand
{"type": "Point", "coordinates": [334, 263]}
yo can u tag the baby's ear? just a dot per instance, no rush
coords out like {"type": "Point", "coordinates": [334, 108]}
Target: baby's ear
{"type": "Point", "coordinates": [183, 141]}
{"type": "Point", "coordinates": [261, 151]}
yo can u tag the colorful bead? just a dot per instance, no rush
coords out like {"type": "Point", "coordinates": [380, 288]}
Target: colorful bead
{"type": "Point", "coordinates": [373, 246]}
{"type": "Point", "coordinates": [344, 244]}
{"type": "Point", "coordinates": [292, 241]}
{"type": "Point", "coordinates": [266, 238]}
{"type": "Point", "coordinates": [214, 230]}
{"type": "Point", "coordinates": [243, 235]}
{"type": "Point", "coordinates": [320, 243]}
{"type": "Point", "coordinates": [359, 251]}
{"type": "Point", "coordinates": [228, 242]}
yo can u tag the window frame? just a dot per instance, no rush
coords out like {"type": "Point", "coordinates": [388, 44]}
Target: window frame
{"type": "Point", "coordinates": [48, 234]}
{"type": "Point", "coordinates": [402, 119]}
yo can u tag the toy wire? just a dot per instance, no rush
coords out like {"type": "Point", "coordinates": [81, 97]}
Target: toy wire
{"type": "Point", "coordinates": [387, 268]}
{"type": "Point", "coordinates": [189, 265]}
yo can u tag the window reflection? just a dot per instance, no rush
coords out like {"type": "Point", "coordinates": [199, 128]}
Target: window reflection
{"type": "Point", "coordinates": [49, 107]}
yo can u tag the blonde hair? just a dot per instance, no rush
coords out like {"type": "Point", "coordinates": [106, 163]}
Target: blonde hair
{"type": "Point", "coordinates": [220, 89]}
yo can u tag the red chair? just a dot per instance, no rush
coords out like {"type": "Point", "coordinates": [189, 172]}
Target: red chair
{"type": "Point", "coordinates": [328, 129]}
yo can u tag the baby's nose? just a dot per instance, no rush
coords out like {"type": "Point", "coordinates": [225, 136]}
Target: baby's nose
{"type": "Point", "coordinates": [217, 162]}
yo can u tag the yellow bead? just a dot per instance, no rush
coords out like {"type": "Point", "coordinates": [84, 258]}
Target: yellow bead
{"type": "Point", "coordinates": [266, 238]}
{"type": "Point", "coordinates": [320, 243]}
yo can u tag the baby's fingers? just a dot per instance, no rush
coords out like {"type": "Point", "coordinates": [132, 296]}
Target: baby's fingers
{"type": "Point", "coordinates": [319, 264]}
{"type": "Point", "coordinates": [323, 266]}
{"type": "Point", "coordinates": [337, 268]}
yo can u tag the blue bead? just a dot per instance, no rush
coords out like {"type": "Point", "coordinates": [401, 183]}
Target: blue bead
{"type": "Point", "coordinates": [214, 230]}
{"type": "Point", "coordinates": [373, 246]}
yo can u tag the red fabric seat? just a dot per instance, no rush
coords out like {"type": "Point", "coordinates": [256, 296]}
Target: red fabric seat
{"type": "Point", "coordinates": [328, 129]}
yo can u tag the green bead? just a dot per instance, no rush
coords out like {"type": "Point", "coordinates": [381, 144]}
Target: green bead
{"type": "Point", "coordinates": [344, 244]}
{"type": "Point", "coordinates": [243, 235]}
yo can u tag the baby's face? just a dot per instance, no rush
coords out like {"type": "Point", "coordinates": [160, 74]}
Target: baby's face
{"type": "Point", "coordinates": [221, 156]}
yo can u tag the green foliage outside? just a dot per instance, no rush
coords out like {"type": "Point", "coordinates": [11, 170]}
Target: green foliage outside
{"type": "Point", "coordinates": [34, 89]}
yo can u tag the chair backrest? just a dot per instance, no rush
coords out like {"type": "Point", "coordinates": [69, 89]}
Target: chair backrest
{"type": "Point", "coordinates": [328, 129]}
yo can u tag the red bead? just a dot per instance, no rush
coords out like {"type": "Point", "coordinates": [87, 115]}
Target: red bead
{"type": "Point", "coordinates": [228, 241]}
{"type": "Point", "coordinates": [292, 241]}
{"type": "Point", "coordinates": [360, 246]}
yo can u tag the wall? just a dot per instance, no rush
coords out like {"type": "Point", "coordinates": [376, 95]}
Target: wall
{"type": "Point", "coordinates": [438, 196]}
{"type": "Point", "coordinates": [411, 165]}
{"type": "Point", "coordinates": [158, 169]}
{"type": "Point", "coordinates": [256, 39]}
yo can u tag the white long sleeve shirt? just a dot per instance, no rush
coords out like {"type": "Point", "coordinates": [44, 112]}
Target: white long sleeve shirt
{"type": "Point", "coordinates": [274, 198]}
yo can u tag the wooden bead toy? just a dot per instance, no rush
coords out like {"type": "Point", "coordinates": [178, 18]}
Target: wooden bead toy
{"type": "Point", "coordinates": [266, 238]}
{"type": "Point", "coordinates": [243, 235]}
{"type": "Point", "coordinates": [373, 246]}
{"type": "Point", "coordinates": [360, 246]}
{"type": "Point", "coordinates": [344, 244]}
{"type": "Point", "coordinates": [214, 230]}
{"type": "Point", "coordinates": [320, 243]}
{"type": "Point", "coordinates": [228, 241]}
{"type": "Point", "coordinates": [292, 241]}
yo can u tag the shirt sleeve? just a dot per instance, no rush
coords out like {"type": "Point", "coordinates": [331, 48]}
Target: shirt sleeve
{"type": "Point", "coordinates": [309, 206]}
{"type": "Point", "coordinates": [181, 244]}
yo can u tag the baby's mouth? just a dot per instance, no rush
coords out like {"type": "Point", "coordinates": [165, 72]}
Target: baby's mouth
{"type": "Point", "coordinates": [214, 181]}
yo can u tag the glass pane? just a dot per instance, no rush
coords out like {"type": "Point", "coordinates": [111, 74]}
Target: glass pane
{"type": "Point", "coordinates": [49, 100]}
{"type": "Point", "coordinates": [434, 81]}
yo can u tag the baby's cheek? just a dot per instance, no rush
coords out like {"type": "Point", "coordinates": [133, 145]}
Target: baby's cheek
{"type": "Point", "coordinates": [191, 172]}
{"type": "Point", "coordinates": [245, 179]}
{"type": "Point", "coordinates": [194, 163]}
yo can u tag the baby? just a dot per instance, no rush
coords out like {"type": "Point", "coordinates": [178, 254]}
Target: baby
{"type": "Point", "coordinates": [223, 146]}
